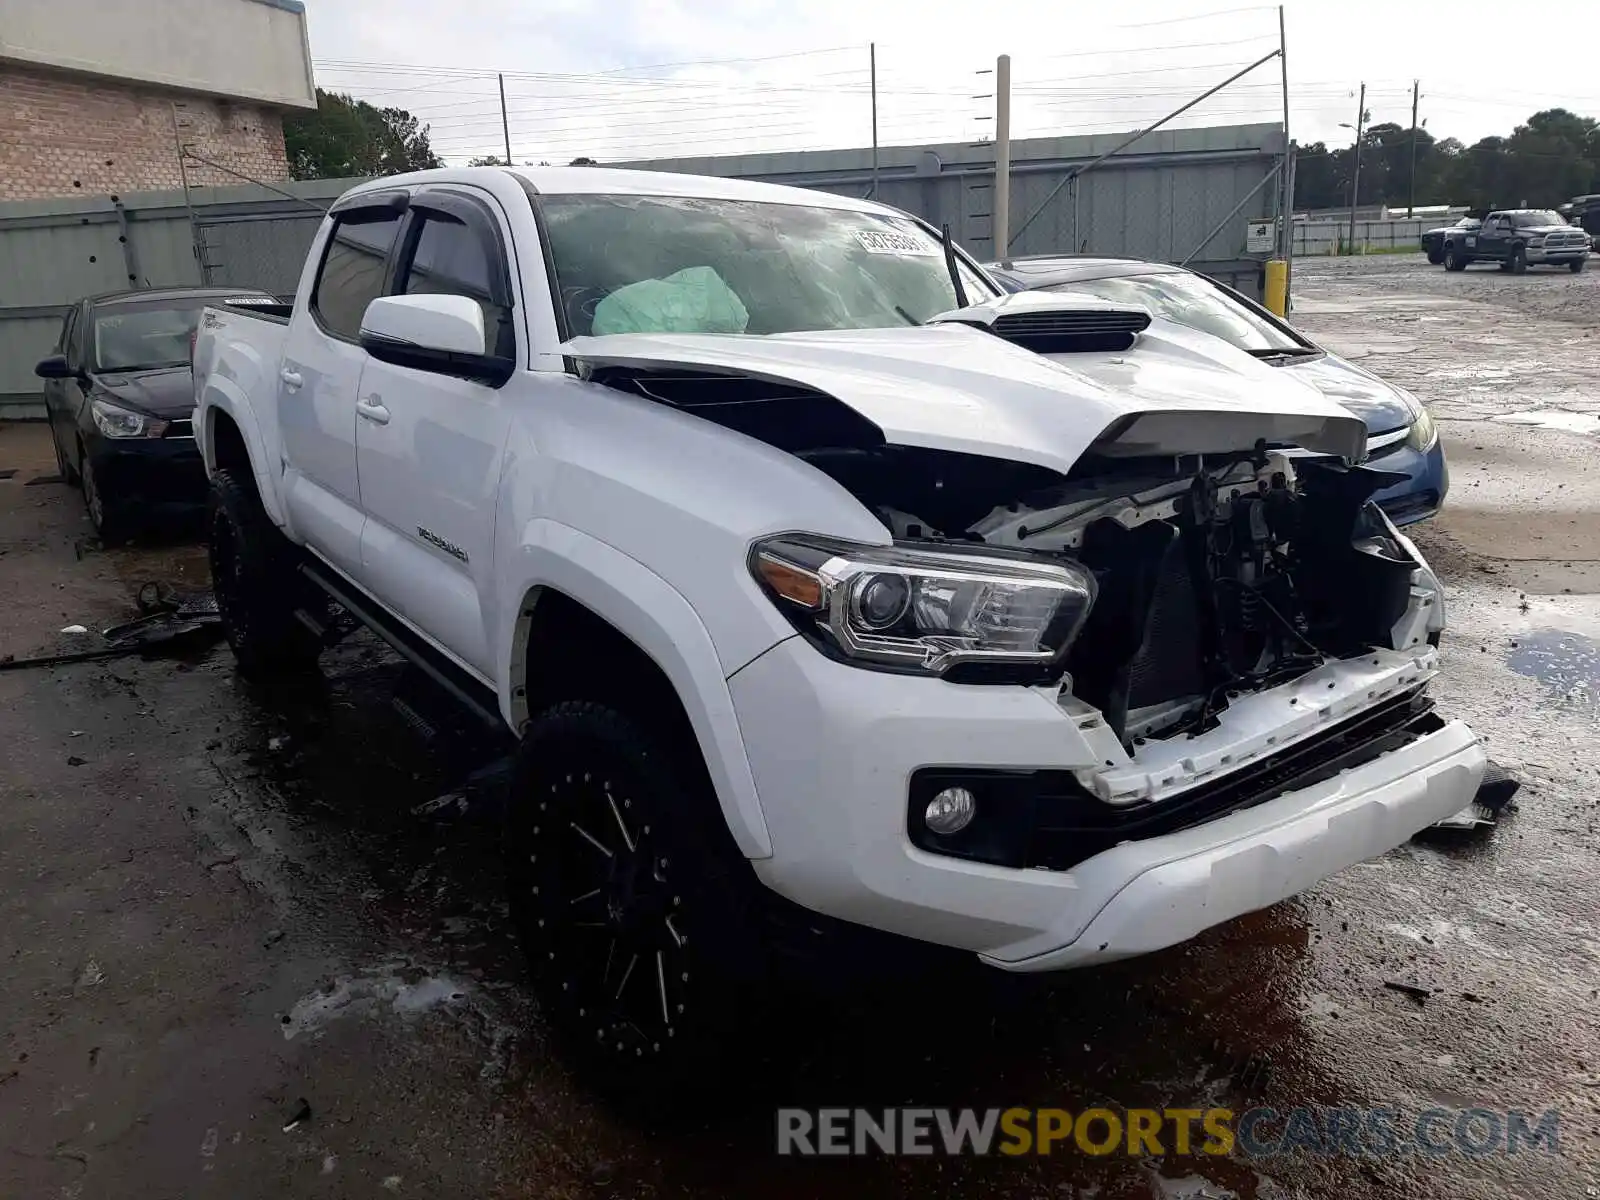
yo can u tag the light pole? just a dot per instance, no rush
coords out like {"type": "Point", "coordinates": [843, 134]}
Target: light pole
{"type": "Point", "coordinates": [1355, 174]}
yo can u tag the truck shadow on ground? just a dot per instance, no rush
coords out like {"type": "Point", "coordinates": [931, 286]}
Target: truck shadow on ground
{"type": "Point", "coordinates": [401, 809]}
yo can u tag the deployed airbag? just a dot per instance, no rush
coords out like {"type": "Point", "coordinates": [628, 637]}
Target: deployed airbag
{"type": "Point", "coordinates": [693, 300]}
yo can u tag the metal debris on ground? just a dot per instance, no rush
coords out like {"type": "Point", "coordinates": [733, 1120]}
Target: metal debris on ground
{"type": "Point", "coordinates": [1494, 795]}
{"type": "Point", "coordinates": [171, 621]}
{"type": "Point", "coordinates": [167, 615]}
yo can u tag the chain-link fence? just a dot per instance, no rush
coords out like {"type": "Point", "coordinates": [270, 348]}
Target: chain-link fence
{"type": "Point", "coordinates": [264, 250]}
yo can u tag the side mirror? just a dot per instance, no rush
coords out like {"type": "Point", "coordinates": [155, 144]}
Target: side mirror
{"type": "Point", "coordinates": [438, 333]}
{"type": "Point", "coordinates": [54, 366]}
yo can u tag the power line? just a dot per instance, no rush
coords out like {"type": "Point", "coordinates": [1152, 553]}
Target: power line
{"type": "Point", "coordinates": [1145, 51]}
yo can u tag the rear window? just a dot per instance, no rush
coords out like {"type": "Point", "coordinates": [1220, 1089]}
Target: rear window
{"type": "Point", "coordinates": [143, 335]}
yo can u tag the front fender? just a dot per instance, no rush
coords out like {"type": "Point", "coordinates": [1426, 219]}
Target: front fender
{"type": "Point", "coordinates": [221, 394]}
{"type": "Point", "coordinates": [652, 613]}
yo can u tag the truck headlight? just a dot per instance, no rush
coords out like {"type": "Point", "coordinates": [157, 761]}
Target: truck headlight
{"type": "Point", "coordinates": [1423, 432]}
{"type": "Point", "coordinates": [926, 610]}
{"type": "Point", "coordinates": [117, 422]}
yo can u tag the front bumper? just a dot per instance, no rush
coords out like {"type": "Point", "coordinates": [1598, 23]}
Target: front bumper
{"type": "Point", "coordinates": [833, 749]}
{"type": "Point", "coordinates": [1559, 255]}
{"type": "Point", "coordinates": [1425, 488]}
{"type": "Point", "coordinates": [155, 472]}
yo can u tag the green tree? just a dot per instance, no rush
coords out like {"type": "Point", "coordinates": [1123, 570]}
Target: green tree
{"type": "Point", "coordinates": [1548, 159]}
{"type": "Point", "coordinates": [348, 137]}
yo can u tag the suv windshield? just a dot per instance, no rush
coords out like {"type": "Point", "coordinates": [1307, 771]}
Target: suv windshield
{"type": "Point", "coordinates": [1535, 218]}
{"type": "Point", "coordinates": [629, 264]}
{"type": "Point", "coordinates": [131, 337]}
{"type": "Point", "coordinates": [1192, 301]}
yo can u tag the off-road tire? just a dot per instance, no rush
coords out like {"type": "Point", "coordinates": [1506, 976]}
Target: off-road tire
{"type": "Point", "coordinates": [1436, 257]}
{"type": "Point", "coordinates": [633, 905]}
{"type": "Point", "coordinates": [1454, 259]}
{"type": "Point", "coordinates": [257, 587]}
{"type": "Point", "coordinates": [1577, 265]}
{"type": "Point", "coordinates": [1518, 263]}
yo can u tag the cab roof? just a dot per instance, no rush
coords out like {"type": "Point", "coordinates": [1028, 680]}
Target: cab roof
{"type": "Point", "coordinates": [559, 181]}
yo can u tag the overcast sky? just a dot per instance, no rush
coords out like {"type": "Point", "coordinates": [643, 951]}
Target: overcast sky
{"type": "Point", "coordinates": [666, 78]}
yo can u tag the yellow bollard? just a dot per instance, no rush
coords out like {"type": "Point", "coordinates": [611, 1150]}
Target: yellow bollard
{"type": "Point", "coordinates": [1277, 289]}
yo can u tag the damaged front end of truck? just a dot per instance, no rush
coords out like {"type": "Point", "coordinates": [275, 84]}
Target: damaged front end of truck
{"type": "Point", "coordinates": [1176, 543]}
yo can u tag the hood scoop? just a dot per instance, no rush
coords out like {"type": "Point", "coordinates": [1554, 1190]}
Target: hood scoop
{"type": "Point", "coordinates": [1047, 323]}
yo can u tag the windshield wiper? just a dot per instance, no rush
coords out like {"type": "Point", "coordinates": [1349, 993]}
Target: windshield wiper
{"type": "Point", "coordinates": [950, 265]}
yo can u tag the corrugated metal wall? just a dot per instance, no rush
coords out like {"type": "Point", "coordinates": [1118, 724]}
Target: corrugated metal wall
{"type": "Point", "coordinates": [54, 251]}
{"type": "Point", "coordinates": [1159, 199]}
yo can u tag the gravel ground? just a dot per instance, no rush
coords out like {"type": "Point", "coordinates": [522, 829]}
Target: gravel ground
{"type": "Point", "coordinates": [243, 958]}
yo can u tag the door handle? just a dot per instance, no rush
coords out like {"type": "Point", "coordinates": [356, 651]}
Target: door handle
{"type": "Point", "coordinates": [373, 411]}
{"type": "Point", "coordinates": [290, 378]}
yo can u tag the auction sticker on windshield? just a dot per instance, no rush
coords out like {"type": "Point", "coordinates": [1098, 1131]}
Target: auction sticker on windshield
{"type": "Point", "coordinates": [885, 241]}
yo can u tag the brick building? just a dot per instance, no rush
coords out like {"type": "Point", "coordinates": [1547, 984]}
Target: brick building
{"type": "Point", "coordinates": [95, 98]}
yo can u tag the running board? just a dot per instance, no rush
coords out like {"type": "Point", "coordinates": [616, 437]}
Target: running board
{"type": "Point", "coordinates": [469, 692]}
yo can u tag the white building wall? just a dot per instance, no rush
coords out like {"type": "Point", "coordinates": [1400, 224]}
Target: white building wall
{"type": "Point", "coordinates": [238, 49]}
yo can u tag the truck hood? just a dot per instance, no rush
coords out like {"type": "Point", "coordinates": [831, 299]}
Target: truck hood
{"type": "Point", "coordinates": [959, 388]}
{"type": "Point", "coordinates": [164, 392]}
{"type": "Point", "coordinates": [1542, 230]}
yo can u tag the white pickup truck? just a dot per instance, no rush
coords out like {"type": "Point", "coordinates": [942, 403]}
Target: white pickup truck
{"type": "Point", "coordinates": [817, 576]}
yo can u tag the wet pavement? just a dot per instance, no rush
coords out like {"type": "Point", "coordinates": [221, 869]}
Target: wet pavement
{"type": "Point", "coordinates": [253, 942]}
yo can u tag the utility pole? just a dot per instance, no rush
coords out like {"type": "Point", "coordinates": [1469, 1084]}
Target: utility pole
{"type": "Point", "coordinates": [1286, 183]}
{"type": "Point", "coordinates": [505, 124]}
{"type": "Point", "coordinates": [872, 63]}
{"type": "Point", "coordinates": [1411, 202]}
{"type": "Point", "coordinates": [1002, 157]}
{"type": "Point", "coordinates": [1355, 175]}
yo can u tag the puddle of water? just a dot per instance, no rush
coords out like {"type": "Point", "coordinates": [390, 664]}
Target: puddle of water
{"type": "Point", "coordinates": [1570, 422]}
{"type": "Point", "coordinates": [1190, 1187]}
{"type": "Point", "coordinates": [1568, 662]}
{"type": "Point", "coordinates": [366, 995]}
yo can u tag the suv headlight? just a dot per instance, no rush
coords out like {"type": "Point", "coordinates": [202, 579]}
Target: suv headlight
{"type": "Point", "coordinates": [1423, 432]}
{"type": "Point", "coordinates": [926, 609]}
{"type": "Point", "coordinates": [117, 422]}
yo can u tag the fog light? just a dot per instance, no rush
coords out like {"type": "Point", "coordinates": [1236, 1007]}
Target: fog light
{"type": "Point", "coordinates": [951, 811]}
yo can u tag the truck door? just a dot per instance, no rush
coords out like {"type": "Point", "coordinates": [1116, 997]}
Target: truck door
{"type": "Point", "coordinates": [322, 363]}
{"type": "Point", "coordinates": [1494, 239]}
{"type": "Point", "coordinates": [430, 446]}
